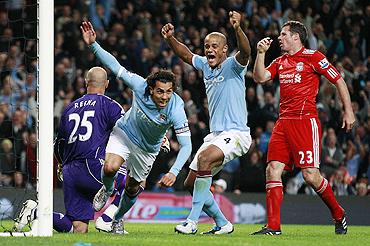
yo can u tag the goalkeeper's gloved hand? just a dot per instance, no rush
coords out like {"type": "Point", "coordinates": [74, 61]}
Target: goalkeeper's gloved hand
{"type": "Point", "coordinates": [165, 146]}
{"type": "Point", "coordinates": [60, 172]}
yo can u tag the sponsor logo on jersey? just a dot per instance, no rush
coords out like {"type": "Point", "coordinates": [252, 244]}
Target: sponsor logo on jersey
{"type": "Point", "coordinates": [299, 67]}
{"type": "Point", "coordinates": [324, 64]}
{"type": "Point", "coordinates": [290, 78]}
{"type": "Point", "coordinates": [297, 78]}
{"type": "Point", "coordinates": [214, 81]}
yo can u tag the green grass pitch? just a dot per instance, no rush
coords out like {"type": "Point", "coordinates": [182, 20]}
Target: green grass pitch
{"type": "Point", "coordinates": [164, 235]}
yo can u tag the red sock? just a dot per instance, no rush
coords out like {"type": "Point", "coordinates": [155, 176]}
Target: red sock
{"type": "Point", "coordinates": [274, 198]}
{"type": "Point", "coordinates": [327, 195]}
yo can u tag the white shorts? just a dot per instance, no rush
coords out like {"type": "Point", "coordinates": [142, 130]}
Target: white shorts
{"type": "Point", "coordinates": [139, 162]}
{"type": "Point", "coordinates": [233, 144]}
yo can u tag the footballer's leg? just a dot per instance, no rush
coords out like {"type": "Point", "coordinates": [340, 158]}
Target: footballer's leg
{"type": "Point", "coordinates": [210, 208]}
{"type": "Point", "coordinates": [322, 187]}
{"type": "Point", "coordinates": [207, 159]}
{"type": "Point", "coordinates": [104, 222]}
{"type": "Point", "coordinates": [111, 165]}
{"type": "Point", "coordinates": [61, 223]}
{"type": "Point", "coordinates": [274, 198]}
{"type": "Point", "coordinates": [132, 191]}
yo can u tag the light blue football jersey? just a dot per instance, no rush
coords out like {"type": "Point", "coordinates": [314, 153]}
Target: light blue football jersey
{"type": "Point", "coordinates": [225, 88]}
{"type": "Point", "coordinates": [146, 124]}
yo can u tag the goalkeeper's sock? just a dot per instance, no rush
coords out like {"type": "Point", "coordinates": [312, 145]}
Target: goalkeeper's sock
{"type": "Point", "coordinates": [108, 181]}
{"type": "Point", "coordinates": [274, 199]}
{"type": "Point", "coordinates": [212, 209]}
{"type": "Point", "coordinates": [327, 195]}
{"type": "Point", "coordinates": [62, 223]}
{"type": "Point", "coordinates": [127, 201]}
{"type": "Point", "coordinates": [201, 193]}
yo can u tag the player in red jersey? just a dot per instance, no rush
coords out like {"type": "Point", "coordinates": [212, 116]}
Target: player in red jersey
{"type": "Point", "coordinates": [296, 138]}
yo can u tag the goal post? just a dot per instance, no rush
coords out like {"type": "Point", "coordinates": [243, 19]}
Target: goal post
{"type": "Point", "coordinates": [45, 33]}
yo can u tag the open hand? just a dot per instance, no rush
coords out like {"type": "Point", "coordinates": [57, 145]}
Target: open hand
{"type": "Point", "coordinates": [88, 32]}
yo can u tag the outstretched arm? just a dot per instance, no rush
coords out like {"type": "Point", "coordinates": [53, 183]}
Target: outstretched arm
{"type": "Point", "coordinates": [109, 61]}
{"type": "Point", "coordinates": [348, 116]}
{"type": "Point", "coordinates": [260, 73]}
{"type": "Point", "coordinates": [243, 43]}
{"type": "Point", "coordinates": [179, 48]}
{"type": "Point", "coordinates": [89, 37]}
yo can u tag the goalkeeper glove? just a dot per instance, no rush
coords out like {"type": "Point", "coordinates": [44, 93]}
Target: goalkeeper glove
{"type": "Point", "coordinates": [60, 172]}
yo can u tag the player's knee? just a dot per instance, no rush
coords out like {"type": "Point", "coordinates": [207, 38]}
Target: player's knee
{"type": "Point", "coordinates": [204, 162]}
{"type": "Point", "coordinates": [80, 227]}
{"type": "Point", "coordinates": [308, 176]}
{"type": "Point", "coordinates": [109, 170]}
{"type": "Point", "coordinates": [270, 172]}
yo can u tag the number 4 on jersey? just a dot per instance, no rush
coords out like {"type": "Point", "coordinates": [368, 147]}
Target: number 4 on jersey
{"type": "Point", "coordinates": [227, 140]}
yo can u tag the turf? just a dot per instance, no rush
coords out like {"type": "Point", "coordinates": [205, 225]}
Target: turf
{"type": "Point", "coordinates": [163, 235]}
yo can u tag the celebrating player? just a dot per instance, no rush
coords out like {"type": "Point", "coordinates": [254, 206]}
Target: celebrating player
{"type": "Point", "coordinates": [137, 136]}
{"type": "Point", "coordinates": [230, 135]}
{"type": "Point", "coordinates": [296, 137]}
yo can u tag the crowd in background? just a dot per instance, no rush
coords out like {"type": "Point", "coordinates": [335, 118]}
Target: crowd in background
{"type": "Point", "coordinates": [130, 30]}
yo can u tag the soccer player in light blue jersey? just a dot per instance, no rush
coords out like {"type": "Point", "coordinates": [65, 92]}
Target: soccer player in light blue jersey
{"type": "Point", "coordinates": [136, 138]}
{"type": "Point", "coordinates": [230, 136]}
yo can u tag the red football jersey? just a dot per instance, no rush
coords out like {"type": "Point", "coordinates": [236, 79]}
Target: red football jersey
{"type": "Point", "coordinates": [299, 76]}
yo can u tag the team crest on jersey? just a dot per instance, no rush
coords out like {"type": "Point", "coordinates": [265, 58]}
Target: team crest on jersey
{"type": "Point", "coordinates": [324, 63]}
{"type": "Point", "coordinates": [163, 117]}
{"type": "Point", "coordinates": [281, 67]}
{"type": "Point", "coordinates": [299, 67]}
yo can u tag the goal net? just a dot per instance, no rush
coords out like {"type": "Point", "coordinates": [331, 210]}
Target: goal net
{"type": "Point", "coordinates": [26, 113]}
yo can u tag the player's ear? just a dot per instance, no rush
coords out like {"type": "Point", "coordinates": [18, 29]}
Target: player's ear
{"type": "Point", "coordinates": [106, 83]}
{"type": "Point", "coordinates": [86, 83]}
{"type": "Point", "coordinates": [151, 90]}
{"type": "Point", "coordinates": [225, 48]}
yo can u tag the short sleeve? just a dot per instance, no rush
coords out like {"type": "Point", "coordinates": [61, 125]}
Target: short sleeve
{"type": "Point", "coordinates": [324, 67]}
{"type": "Point", "coordinates": [237, 67]}
{"type": "Point", "coordinates": [199, 61]}
{"type": "Point", "coordinates": [273, 68]}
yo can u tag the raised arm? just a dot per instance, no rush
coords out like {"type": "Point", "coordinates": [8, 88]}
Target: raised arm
{"type": "Point", "coordinates": [89, 37]}
{"type": "Point", "coordinates": [348, 116]}
{"type": "Point", "coordinates": [260, 73]}
{"type": "Point", "coordinates": [179, 48]}
{"type": "Point", "coordinates": [108, 60]}
{"type": "Point", "coordinates": [243, 43]}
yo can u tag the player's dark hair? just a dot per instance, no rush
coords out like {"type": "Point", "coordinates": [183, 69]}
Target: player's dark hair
{"type": "Point", "coordinates": [297, 27]}
{"type": "Point", "coordinates": [164, 76]}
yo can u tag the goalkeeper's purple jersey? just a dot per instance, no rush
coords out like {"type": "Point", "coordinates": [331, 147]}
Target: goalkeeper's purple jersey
{"type": "Point", "coordinates": [85, 127]}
